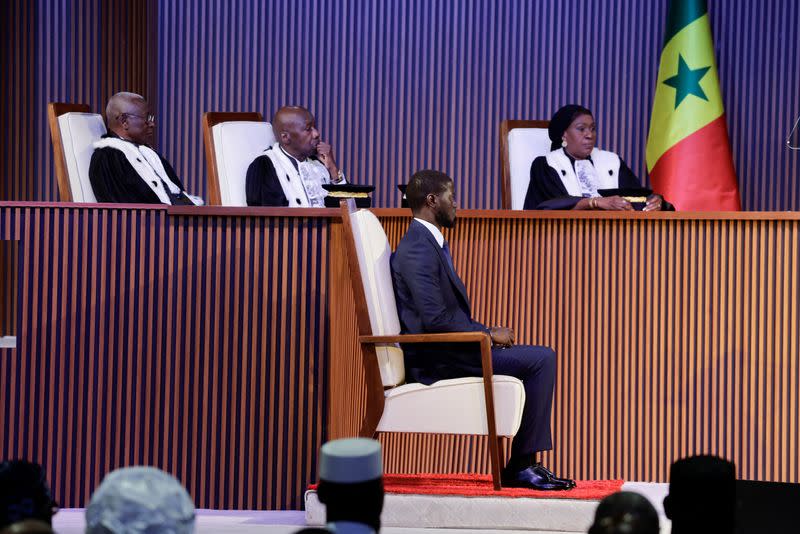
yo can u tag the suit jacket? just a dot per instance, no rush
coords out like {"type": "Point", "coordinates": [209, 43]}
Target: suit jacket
{"type": "Point", "coordinates": [431, 298]}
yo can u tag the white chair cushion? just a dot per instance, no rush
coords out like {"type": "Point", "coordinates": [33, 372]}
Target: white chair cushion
{"type": "Point", "coordinates": [454, 406]}
{"type": "Point", "coordinates": [374, 253]}
{"type": "Point", "coordinates": [524, 145]}
{"type": "Point", "coordinates": [236, 145]}
{"type": "Point", "coordinates": [79, 131]}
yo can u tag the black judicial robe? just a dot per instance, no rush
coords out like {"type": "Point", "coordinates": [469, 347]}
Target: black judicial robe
{"type": "Point", "coordinates": [114, 179]}
{"type": "Point", "coordinates": [262, 186]}
{"type": "Point", "coordinates": [546, 191]}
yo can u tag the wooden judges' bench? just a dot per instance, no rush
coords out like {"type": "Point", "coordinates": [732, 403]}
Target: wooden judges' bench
{"type": "Point", "coordinates": [219, 343]}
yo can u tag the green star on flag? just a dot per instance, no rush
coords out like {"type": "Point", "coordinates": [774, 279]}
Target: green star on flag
{"type": "Point", "coordinates": [687, 82]}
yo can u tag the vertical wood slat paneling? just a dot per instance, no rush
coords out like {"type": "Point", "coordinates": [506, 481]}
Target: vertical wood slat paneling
{"type": "Point", "coordinates": [674, 337]}
{"type": "Point", "coordinates": [190, 343]}
{"type": "Point", "coordinates": [9, 255]}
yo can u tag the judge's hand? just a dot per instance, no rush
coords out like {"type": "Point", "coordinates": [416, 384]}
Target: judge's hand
{"type": "Point", "coordinates": [502, 336]}
{"type": "Point", "coordinates": [615, 203]}
{"type": "Point", "coordinates": [326, 157]}
{"type": "Point", "coordinates": [655, 202]}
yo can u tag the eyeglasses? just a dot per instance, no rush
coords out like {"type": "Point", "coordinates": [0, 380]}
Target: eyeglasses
{"type": "Point", "coordinates": [148, 118]}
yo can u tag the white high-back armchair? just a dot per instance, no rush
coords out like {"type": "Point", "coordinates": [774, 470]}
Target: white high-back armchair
{"type": "Point", "coordinates": [74, 130]}
{"type": "Point", "coordinates": [521, 141]}
{"type": "Point", "coordinates": [488, 405]}
{"type": "Point", "coordinates": [232, 142]}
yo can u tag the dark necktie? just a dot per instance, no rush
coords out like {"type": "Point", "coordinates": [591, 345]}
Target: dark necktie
{"type": "Point", "coordinates": [456, 280]}
{"type": "Point", "coordinates": [448, 257]}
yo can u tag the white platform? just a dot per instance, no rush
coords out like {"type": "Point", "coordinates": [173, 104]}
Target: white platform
{"type": "Point", "coordinates": [8, 342]}
{"type": "Point", "coordinates": [430, 514]}
{"type": "Point", "coordinates": [485, 514]}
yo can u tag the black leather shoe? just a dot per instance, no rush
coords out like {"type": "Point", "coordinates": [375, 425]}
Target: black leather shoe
{"type": "Point", "coordinates": [534, 477]}
{"type": "Point", "coordinates": [566, 481]}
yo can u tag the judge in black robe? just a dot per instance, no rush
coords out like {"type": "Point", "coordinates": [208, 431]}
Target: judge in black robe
{"type": "Point", "coordinates": [546, 191]}
{"type": "Point", "coordinates": [298, 144]}
{"type": "Point", "coordinates": [113, 178]}
{"type": "Point", "coordinates": [572, 129]}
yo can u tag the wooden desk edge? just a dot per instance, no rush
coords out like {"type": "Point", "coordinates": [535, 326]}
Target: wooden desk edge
{"type": "Point", "coordinates": [333, 213]}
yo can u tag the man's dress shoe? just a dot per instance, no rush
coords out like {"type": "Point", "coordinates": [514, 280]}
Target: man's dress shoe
{"type": "Point", "coordinates": [566, 481]}
{"type": "Point", "coordinates": [533, 477]}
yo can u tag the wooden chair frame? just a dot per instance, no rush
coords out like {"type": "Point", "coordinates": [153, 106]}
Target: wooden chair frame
{"type": "Point", "coordinates": [211, 119]}
{"type": "Point", "coordinates": [505, 163]}
{"type": "Point", "coordinates": [375, 390]}
{"type": "Point", "coordinates": [54, 111]}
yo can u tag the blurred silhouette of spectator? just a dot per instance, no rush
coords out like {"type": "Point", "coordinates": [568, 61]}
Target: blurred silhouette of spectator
{"type": "Point", "coordinates": [625, 512]}
{"type": "Point", "coordinates": [136, 500]}
{"type": "Point", "coordinates": [350, 486]}
{"type": "Point", "coordinates": [702, 495]}
{"type": "Point", "coordinates": [25, 498]}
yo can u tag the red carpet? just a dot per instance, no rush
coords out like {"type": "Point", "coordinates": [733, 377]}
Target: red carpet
{"type": "Point", "coordinates": [470, 485]}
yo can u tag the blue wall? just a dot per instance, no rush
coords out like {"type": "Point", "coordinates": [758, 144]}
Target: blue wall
{"type": "Point", "coordinates": [402, 85]}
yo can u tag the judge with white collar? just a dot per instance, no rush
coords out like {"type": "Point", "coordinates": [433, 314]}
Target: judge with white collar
{"type": "Point", "coordinates": [292, 171]}
{"type": "Point", "coordinates": [124, 168]}
{"type": "Point", "coordinates": [571, 174]}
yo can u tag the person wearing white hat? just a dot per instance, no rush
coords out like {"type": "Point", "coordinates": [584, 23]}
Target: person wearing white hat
{"type": "Point", "coordinates": [135, 500]}
{"type": "Point", "coordinates": [351, 485]}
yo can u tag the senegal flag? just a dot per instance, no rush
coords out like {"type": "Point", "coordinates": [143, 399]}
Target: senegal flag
{"type": "Point", "coordinates": [688, 152]}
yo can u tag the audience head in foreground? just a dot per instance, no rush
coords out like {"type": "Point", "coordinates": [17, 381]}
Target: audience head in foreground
{"type": "Point", "coordinates": [574, 172]}
{"type": "Point", "coordinates": [135, 500]}
{"type": "Point", "coordinates": [293, 170]}
{"type": "Point", "coordinates": [702, 495]}
{"type": "Point", "coordinates": [625, 512]}
{"type": "Point", "coordinates": [124, 166]}
{"type": "Point", "coordinates": [26, 504]}
{"type": "Point", "coordinates": [351, 484]}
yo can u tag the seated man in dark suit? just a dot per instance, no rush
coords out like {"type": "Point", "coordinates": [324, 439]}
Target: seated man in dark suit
{"type": "Point", "coordinates": [431, 298]}
{"type": "Point", "coordinates": [124, 167]}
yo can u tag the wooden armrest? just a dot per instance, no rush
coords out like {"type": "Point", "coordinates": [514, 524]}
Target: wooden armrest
{"type": "Point", "coordinates": [449, 337]}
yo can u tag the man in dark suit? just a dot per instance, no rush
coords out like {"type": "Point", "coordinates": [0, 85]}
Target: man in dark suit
{"type": "Point", "coordinates": [431, 298]}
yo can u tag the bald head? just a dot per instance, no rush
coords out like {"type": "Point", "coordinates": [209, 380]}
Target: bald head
{"type": "Point", "coordinates": [296, 131]}
{"type": "Point", "coordinates": [128, 116]}
{"type": "Point", "coordinates": [122, 103]}
{"type": "Point", "coordinates": [288, 116]}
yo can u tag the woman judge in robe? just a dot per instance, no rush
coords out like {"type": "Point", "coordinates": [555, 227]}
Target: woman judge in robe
{"type": "Point", "coordinates": [570, 175]}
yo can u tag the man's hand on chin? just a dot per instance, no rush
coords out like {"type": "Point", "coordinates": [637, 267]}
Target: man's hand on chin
{"type": "Point", "coordinates": [502, 336]}
{"type": "Point", "coordinates": [326, 157]}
